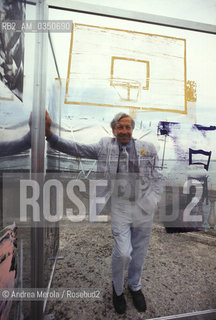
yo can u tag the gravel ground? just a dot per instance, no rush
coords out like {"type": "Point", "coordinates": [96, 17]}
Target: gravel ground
{"type": "Point", "coordinates": [178, 277]}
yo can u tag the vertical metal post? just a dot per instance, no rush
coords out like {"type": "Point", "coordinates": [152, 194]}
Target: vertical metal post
{"type": "Point", "coordinates": [37, 162]}
{"type": "Point", "coordinates": [39, 96]}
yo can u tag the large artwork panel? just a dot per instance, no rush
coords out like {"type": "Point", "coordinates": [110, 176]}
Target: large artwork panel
{"type": "Point", "coordinates": [130, 69]}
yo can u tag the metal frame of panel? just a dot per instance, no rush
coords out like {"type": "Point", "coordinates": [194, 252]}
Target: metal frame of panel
{"type": "Point", "coordinates": [37, 155]}
{"type": "Point", "coordinates": [107, 11]}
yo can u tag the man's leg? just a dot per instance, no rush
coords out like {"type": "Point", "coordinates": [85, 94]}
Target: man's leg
{"type": "Point", "coordinates": [121, 254]}
{"type": "Point", "coordinates": [140, 237]}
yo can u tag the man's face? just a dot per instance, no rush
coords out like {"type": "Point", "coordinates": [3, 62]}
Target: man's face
{"type": "Point", "coordinates": [123, 130]}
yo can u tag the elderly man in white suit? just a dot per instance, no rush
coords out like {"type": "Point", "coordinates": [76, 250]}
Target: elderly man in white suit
{"type": "Point", "coordinates": [132, 165]}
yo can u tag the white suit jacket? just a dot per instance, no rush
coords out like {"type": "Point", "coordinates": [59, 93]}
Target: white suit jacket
{"type": "Point", "coordinates": [106, 152]}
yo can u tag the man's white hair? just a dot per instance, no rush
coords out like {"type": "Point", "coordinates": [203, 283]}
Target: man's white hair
{"type": "Point", "coordinates": [118, 117]}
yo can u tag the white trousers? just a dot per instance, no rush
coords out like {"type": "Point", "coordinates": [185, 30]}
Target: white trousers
{"type": "Point", "coordinates": [131, 229]}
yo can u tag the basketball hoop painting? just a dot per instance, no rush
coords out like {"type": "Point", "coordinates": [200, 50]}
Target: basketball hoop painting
{"type": "Point", "coordinates": [129, 77]}
{"type": "Point", "coordinates": [122, 68]}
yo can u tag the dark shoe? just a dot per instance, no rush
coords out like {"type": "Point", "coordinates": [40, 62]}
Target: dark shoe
{"type": "Point", "coordinates": [119, 302]}
{"type": "Point", "coordinates": [138, 300]}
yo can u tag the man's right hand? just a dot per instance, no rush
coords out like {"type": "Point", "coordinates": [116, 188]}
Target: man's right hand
{"type": "Point", "coordinates": [48, 123]}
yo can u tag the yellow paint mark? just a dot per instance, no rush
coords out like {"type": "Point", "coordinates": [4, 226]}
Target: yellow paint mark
{"type": "Point", "coordinates": [128, 31]}
{"type": "Point", "coordinates": [124, 106]}
{"type": "Point", "coordinates": [69, 62]}
{"type": "Point", "coordinates": [191, 94]}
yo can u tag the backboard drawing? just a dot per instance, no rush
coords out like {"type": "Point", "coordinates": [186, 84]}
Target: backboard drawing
{"type": "Point", "coordinates": [123, 68]}
{"type": "Point", "coordinates": [129, 77]}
